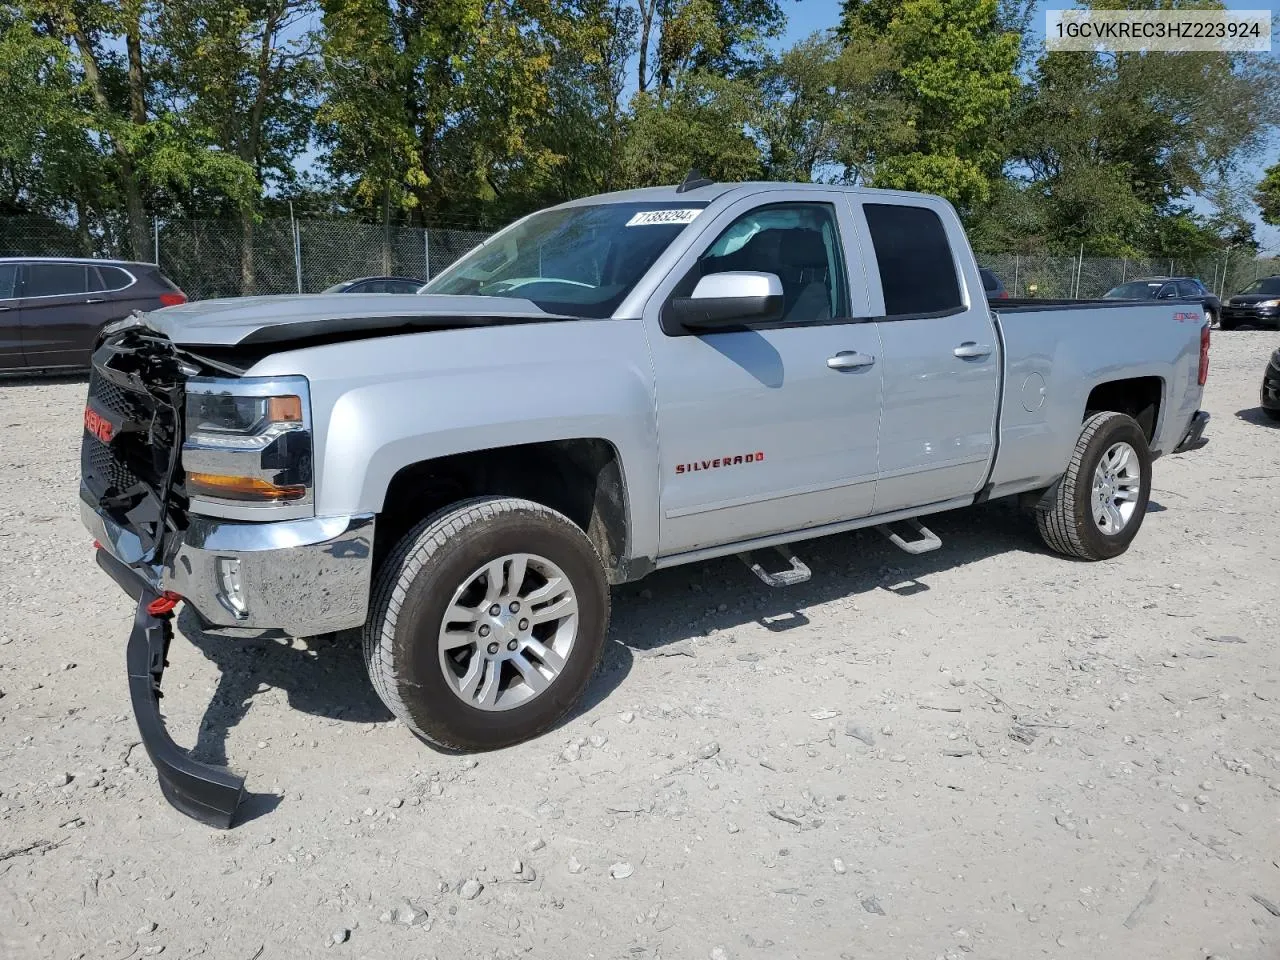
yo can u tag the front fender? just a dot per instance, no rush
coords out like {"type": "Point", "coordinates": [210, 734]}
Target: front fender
{"type": "Point", "coordinates": [380, 405]}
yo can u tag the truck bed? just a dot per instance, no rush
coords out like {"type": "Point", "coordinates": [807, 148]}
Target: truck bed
{"type": "Point", "coordinates": [1058, 351]}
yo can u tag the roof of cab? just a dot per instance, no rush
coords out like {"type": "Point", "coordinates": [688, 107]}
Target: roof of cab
{"type": "Point", "coordinates": [712, 191]}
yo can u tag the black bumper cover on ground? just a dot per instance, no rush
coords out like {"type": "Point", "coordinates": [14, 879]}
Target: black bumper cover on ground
{"type": "Point", "coordinates": [1194, 437]}
{"type": "Point", "coordinates": [207, 793]}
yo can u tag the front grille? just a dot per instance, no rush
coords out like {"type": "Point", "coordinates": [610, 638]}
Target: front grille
{"type": "Point", "coordinates": [113, 400]}
{"type": "Point", "coordinates": [129, 463]}
{"type": "Point", "coordinates": [104, 465]}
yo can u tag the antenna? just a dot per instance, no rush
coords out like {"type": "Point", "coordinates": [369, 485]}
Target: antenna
{"type": "Point", "coordinates": [693, 180]}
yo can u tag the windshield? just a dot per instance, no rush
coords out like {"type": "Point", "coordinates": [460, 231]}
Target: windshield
{"type": "Point", "coordinates": [579, 261]}
{"type": "Point", "coordinates": [1138, 290]}
{"type": "Point", "coordinates": [1267, 285]}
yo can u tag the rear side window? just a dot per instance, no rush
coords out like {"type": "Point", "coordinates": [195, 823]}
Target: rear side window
{"type": "Point", "coordinates": [113, 278]}
{"type": "Point", "coordinates": [55, 279]}
{"type": "Point", "coordinates": [8, 280]}
{"type": "Point", "coordinates": [1189, 288]}
{"type": "Point", "coordinates": [917, 272]}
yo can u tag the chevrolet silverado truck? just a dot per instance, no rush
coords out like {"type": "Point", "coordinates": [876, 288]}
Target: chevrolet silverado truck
{"type": "Point", "coordinates": [608, 387]}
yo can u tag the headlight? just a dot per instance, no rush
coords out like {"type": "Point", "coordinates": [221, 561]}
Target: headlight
{"type": "Point", "coordinates": [248, 442]}
{"type": "Point", "coordinates": [1269, 303]}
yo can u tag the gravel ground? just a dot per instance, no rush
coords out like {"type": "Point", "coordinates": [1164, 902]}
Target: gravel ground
{"type": "Point", "coordinates": [986, 751]}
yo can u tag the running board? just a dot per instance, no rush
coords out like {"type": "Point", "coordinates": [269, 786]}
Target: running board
{"type": "Point", "coordinates": [798, 573]}
{"type": "Point", "coordinates": [928, 540]}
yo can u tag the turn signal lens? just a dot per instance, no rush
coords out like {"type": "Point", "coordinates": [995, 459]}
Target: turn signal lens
{"type": "Point", "coordinates": [251, 489]}
{"type": "Point", "coordinates": [284, 409]}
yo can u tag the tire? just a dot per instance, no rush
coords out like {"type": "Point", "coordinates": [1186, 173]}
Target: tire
{"type": "Point", "coordinates": [1271, 412]}
{"type": "Point", "coordinates": [443, 564]}
{"type": "Point", "coordinates": [1226, 324]}
{"type": "Point", "coordinates": [1067, 521]}
{"type": "Point", "coordinates": [1212, 319]}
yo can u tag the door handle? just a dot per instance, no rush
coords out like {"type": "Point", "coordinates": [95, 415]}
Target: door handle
{"type": "Point", "coordinates": [850, 360]}
{"type": "Point", "coordinates": [972, 351]}
{"type": "Point", "coordinates": [95, 300]}
{"type": "Point", "coordinates": [5, 309]}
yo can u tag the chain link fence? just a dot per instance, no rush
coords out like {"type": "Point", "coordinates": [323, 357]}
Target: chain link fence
{"type": "Point", "coordinates": [218, 258]}
{"type": "Point", "coordinates": [1082, 277]}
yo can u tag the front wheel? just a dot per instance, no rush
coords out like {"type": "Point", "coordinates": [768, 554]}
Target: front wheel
{"type": "Point", "coordinates": [487, 622]}
{"type": "Point", "coordinates": [1101, 500]}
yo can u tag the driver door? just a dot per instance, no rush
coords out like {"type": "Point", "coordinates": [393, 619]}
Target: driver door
{"type": "Point", "coordinates": [772, 426]}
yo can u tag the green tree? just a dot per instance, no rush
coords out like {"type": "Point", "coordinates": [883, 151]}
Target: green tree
{"type": "Point", "coordinates": [829, 110]}
{"type": "Point", "coordinates": [49, 164]}
{"type": "Point", "coordinates": [723, 37]}
{"type": "Point", "coordinates": [1268, 195]}
{"type": "Point", "coordinates": [956, 82]}
{"type": "Point", "coordinates": [239, 79]}
{"type": "Point", "coordinates": [432, 106]}
{"type": "Point", "coordinates": [704, 121]}
{"type": "Point", "coordinates": [1115, 143]}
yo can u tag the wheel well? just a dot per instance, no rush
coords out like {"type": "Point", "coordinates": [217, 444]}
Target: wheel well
{"type": "Point", "coordinates": [582, 478]}
{"type": "Point", "coordinates": [1139, 397]}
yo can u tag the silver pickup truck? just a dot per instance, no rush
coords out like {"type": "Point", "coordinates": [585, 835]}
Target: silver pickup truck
{"type": "Point", "coordinates": [611, 386]}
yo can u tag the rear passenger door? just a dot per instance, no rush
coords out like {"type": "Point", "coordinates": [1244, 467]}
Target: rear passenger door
{"type": "Point", "coordinates": [941, 359]}
{"type": "Point", "coordinates": [60, 312]}
{"type": "Point", "coordinates": [10, 337]}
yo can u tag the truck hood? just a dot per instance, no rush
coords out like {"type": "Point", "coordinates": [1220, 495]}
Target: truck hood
{"type": "Point", "coordinates": [264, 321]}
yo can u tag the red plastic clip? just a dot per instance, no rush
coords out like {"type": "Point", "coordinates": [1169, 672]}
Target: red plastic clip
{"type": "Point", "coordinates": [163, 604]}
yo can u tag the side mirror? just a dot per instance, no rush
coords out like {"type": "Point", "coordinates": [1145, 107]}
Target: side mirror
{"type": "Point", "coordinates": [729, 299]}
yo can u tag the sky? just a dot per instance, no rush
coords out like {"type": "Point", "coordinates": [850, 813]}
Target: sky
{"type": "Point", "coordinates": [806, 16]}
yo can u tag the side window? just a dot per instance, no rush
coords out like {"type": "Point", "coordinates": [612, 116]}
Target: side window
{"type": "Point", "coordinates": [113, 278]}
{"type": "Point", "coordinates": [55, 279]}
{"type": "Point", "coordinates": [8, 280]}
{"type": "Point", "coordinates": [1189, 288]}
{"type": "Point", "coordinates": [1167, 292]}
{"type": "Point", "coordinates": [917, 271]}
{"type": "Point", "coordinates": [798, 242]}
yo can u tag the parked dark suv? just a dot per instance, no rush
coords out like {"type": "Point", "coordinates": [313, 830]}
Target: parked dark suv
{"type": "Point", "coordinates": [51, 309]}
{"type": "Point", "coordinates": [1170, 288]}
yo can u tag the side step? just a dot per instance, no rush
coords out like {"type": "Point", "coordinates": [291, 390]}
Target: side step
{"type": "Point", "coordinates": [798, 573]}
{"type": "Point", "coordinates": [928, 540]}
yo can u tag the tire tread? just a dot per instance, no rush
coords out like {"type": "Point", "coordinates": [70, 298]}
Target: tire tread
{"type": "Point", "coordinates": [1059, 521]}
{"type": "Point", "coordinates": [402, 566]}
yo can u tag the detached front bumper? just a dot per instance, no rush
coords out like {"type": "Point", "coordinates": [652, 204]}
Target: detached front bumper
{"type": "Point", "coordinates": [205, 792]}
{"type": "Point", "coordinates": [301, 576]}
{"type": "Point", "coordinates": [304, 577]}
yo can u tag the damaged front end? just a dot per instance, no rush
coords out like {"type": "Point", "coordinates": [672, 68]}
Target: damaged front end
{"type": "Point", "coordinates": [197, 487]}
{"type": "Point", "coordinates": [131, 481]}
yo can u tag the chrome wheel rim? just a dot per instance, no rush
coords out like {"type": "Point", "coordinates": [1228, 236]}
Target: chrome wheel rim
{"type": "Point", "coordinates": [508, 631]}
{"type": "Point", "coordinates": [1117, 484]}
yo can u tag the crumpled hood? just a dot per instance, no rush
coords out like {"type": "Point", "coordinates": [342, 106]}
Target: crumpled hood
{"type": "Point", "coordinates": [236, 321]}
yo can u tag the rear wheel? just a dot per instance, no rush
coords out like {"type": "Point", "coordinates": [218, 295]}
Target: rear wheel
{"type": "Point", "coordinates": [1101, 500]}
{"type": "Point", "coordinates": [487, 622]}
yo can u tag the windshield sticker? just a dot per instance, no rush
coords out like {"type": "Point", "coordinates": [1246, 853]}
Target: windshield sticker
{"type": "Point", "coordinates": [650, 218]}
